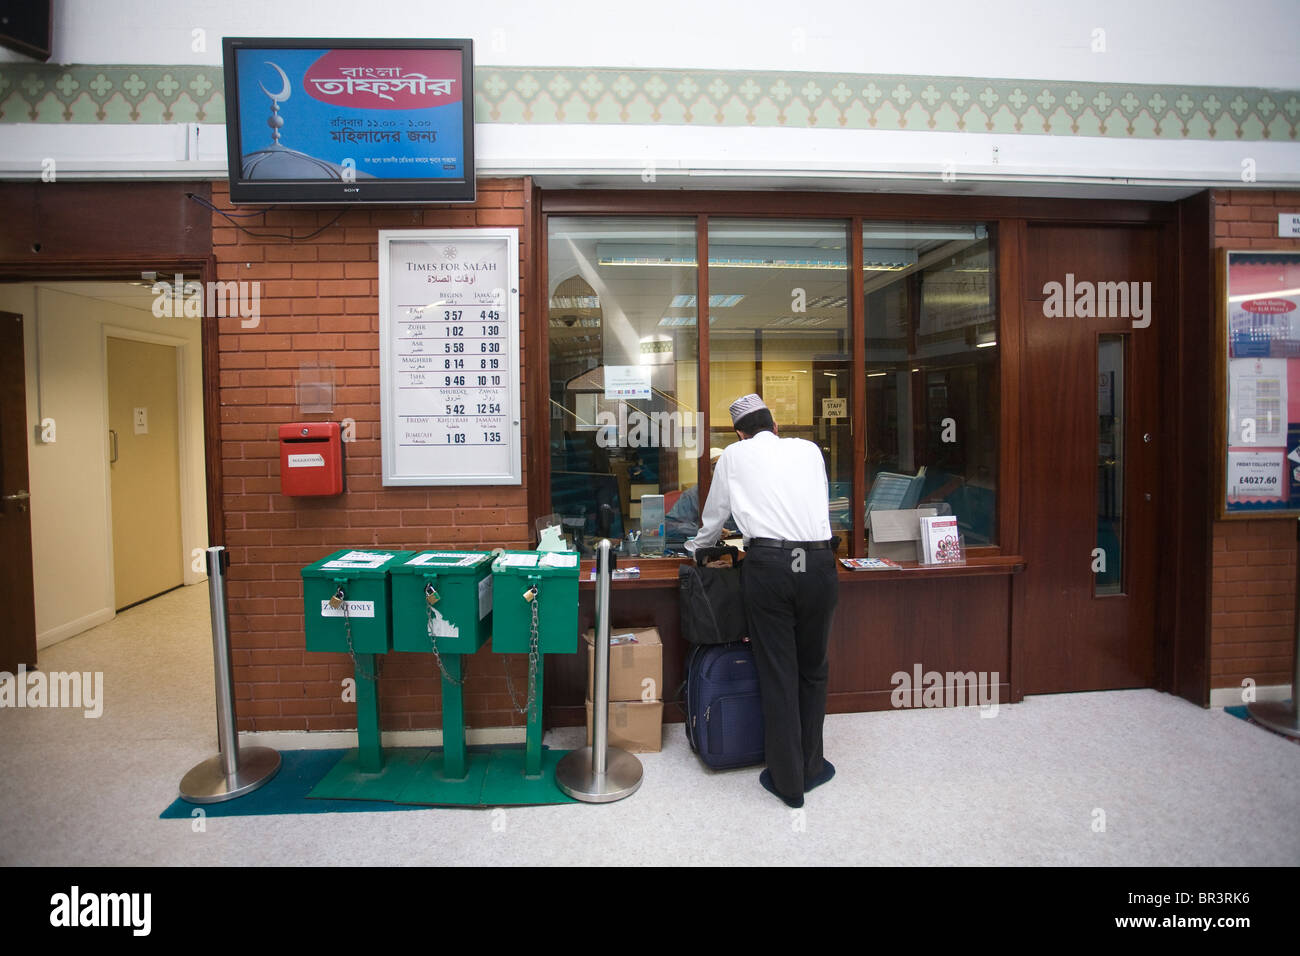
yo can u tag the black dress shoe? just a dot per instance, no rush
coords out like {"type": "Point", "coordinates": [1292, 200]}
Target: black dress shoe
{"type": "Point", "coordinates": [828, 771]}
{"type": "Point", "coordinates": [765, 778]}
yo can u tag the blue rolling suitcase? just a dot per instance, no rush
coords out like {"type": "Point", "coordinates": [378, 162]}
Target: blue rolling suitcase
{"type": "Point", "coordinates": [724, 714]}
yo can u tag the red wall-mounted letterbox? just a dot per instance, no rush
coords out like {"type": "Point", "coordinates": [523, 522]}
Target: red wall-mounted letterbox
{"type": "Point", "coordinates": [311, 459]}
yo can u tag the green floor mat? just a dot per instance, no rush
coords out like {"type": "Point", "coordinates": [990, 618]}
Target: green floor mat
{"type": "Point", "coordinates": [414, 776]}
{"type": "Point", "coordinates": [506, 785]}
{"type": "Point", "coordinates": [345, 781]}
{"type": "Point", "coordinates": [432, 786]}
{"type": "Point", "coordinates": [286, 792]}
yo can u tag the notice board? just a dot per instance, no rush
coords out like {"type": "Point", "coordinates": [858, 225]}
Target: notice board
{"type": "Point", "coordinates": [449, 356]}
{"type": "Point", "coordinates": [1259, 382]}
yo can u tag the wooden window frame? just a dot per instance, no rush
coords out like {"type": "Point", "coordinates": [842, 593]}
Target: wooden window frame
{"type": "Point", "coordinates": [1008, 216]}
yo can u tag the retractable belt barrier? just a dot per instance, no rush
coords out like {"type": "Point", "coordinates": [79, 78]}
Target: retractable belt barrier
{"type": "Point", "coordinates": [600, 773]}
{"type": "Point", "coordinates": [235, 770]}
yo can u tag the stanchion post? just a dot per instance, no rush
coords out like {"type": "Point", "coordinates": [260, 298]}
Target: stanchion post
{"type": "Point", "coordinates": [600, 773]}
{"type": "Point", "coordinates": [223, 664]}
{"type": "Point", "coordinates": [235, 770]}
{"type": "Point", "coordinates": [600, 703]}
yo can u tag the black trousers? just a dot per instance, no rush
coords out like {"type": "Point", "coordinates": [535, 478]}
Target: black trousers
{"type": "Point", "coordinates": [789, 602]}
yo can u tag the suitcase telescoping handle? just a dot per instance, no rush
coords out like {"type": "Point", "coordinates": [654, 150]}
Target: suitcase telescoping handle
{"type": "Point", "coordinates": [704, 555]}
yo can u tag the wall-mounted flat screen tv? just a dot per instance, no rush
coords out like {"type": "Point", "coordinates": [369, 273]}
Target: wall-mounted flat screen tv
{"type": "Point", "coordinates": [349, 121]}
{"type": "Point", "coordinates": [25, 27]}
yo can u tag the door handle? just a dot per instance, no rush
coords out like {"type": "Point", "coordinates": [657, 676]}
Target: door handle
{"type": "Point", "coordinates": [19, 496]}
{"type": "Point", "coordinates": [113, 434]}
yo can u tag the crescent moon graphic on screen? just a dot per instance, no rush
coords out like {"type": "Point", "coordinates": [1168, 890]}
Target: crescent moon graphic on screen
{"type": "Point", "coordinates": [284, 93]}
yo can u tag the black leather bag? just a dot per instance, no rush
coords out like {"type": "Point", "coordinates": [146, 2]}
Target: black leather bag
{"type": "Point", "coordinates": [712, 608]}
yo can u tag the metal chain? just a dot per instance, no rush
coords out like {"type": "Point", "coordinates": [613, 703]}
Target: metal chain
{"type": "Point", "coordinates": [352, 653]}
{"type": "Point", "coordinates": [433, 643]}
{"type": "Point", "coordinates": [532, 663]}
{"type": "Point", "coordinates": [530, 706]}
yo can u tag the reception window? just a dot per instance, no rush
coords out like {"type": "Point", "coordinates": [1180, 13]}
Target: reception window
{"type": "Point", "coordinates": [779, 326]}
{"type": "Point", "coordinates": [930, 348]}
{"type": "Point", "coordinates": [624, 372]}
{"type": "Point", "coordinates": [629, 440]}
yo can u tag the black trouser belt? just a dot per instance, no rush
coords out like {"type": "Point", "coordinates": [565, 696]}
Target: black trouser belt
{"type": "Point", "coordinates": [790, 545]}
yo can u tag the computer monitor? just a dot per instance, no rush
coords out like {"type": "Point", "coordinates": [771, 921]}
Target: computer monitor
{"type": "Point", "coordinates": [894, 492]}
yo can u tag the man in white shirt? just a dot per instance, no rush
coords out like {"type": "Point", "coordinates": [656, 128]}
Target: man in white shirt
{"type": "Point", "coordinates": [776, 490]}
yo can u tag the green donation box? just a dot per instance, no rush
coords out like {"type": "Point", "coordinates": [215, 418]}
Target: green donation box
{"type": "Point", "coordinates": [442, 601]}
{"type": "Point", "coordinates": [534, 612]}
{"type": "Point", "coordinates": [552, 576]}
{"type": "Point", "coordinates": [347, 607]}
{"type": "Point", "coordinates": [346, 603]}
{"type": "Point", "coordinates": [442, 605]}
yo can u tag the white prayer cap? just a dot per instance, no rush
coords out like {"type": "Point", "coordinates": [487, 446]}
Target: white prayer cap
{"type": "Point", "coordinates": [744, 405]}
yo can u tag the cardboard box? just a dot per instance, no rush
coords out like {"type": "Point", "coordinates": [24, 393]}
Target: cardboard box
{"type": "Point", "coordinates": [629, 664]}
{"type": "Point", "coordinates": [636, 727]}
{"type": "Point", "coordinates": [895, 534]}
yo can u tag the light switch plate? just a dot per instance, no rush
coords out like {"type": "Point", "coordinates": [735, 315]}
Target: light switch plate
{"type": "Point", "coordinates": [142, 421]}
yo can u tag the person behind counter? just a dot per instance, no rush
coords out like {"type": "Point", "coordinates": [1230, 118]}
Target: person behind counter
{"type": "Point", "coordinates": [683, 519]}
{"type": "Point", "coordinates": [777, 490]}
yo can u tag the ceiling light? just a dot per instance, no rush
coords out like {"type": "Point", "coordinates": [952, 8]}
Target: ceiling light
{"type": "Point", "coordinates": [887, 231]}
{"type": "Point", "coordinates": [575, 302]}
{"type": "Point", "coordinates": [721, 300]}
{"type": "Point", "coordinates": [888, 260]}
{"type": "Point", "coordinates": [721, 257]}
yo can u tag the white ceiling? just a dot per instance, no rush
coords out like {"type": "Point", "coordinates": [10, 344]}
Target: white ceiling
{"type": "Point", "coordinates": [118, 292]}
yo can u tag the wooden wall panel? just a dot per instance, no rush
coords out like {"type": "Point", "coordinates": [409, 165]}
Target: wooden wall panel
{"type": "Point", "coordinates": [100, 226]}
{"type": "Point", "coordinates": [880, 628]}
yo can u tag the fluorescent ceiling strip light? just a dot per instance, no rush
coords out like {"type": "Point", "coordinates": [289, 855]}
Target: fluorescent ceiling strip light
{"type": "Point", "coordinates": [1280, 293]}
{"type": "Point", "coordinates": [721, 300]}
{"type": "Point", "coordinates": [575, 302]}
{"type": "Point", "coordinates": [722, 257]}
{"type": "Point", "coordinates": [870, 231]}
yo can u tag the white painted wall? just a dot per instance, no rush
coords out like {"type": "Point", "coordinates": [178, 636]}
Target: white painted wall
{"type": "Point", "coordinates": [71, 541]}
{"type": "Point", "coordinates": [1202, 42]}
{"type": "Point", "coordinates": [1209, 42]}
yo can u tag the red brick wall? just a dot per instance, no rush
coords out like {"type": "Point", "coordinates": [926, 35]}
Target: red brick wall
{"type": "Point", "coordinates": [319, 304]}
{"type": "Point", "coordinates": [1253, 603]}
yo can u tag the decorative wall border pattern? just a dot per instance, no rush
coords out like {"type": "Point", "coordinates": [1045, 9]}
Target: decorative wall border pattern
{"type": "Point", "coordinates": [43, 93]}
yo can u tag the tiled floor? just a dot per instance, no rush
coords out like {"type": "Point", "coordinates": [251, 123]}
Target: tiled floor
{"type": "Point", "coordinates": [1126, 777]}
